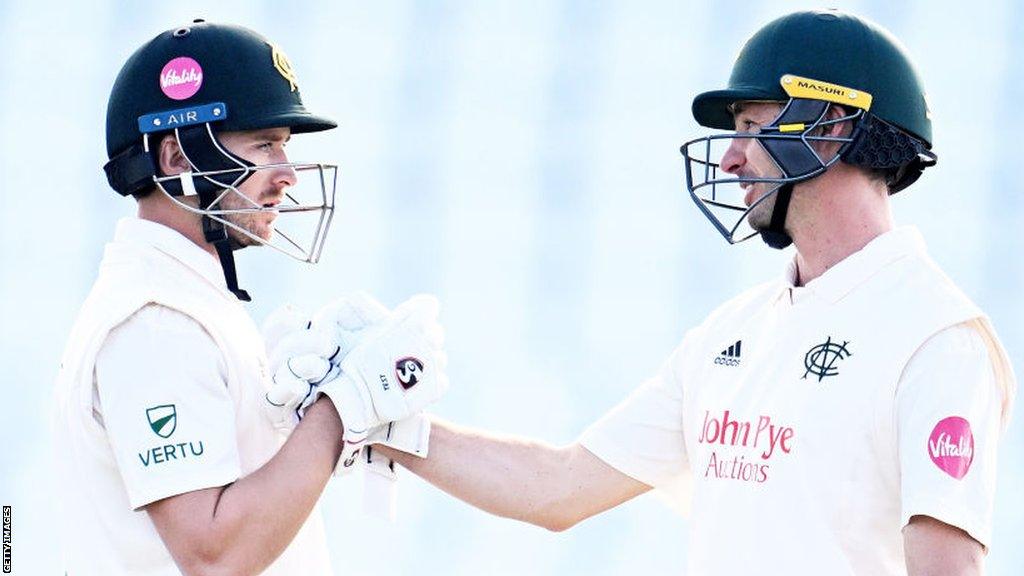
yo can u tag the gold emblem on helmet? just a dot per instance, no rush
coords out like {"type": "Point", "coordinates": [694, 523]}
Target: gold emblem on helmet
{"type": "Point", "coordinates": [283, 66]}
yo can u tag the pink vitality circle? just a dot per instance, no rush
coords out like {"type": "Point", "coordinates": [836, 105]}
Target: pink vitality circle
{"type": "Point", "coordinates": [951, 446]}
{"type": "Point", "coordinates": [181, 78]}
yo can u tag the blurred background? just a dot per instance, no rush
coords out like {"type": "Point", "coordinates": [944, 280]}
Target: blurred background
{"type": "Point", "coordinates": [520, 160]}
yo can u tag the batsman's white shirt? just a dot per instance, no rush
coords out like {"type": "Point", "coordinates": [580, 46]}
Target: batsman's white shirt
{"type": "Point", "coordinates": [807, 425]}
{"type": "Point", "coordinates": [158, 394]}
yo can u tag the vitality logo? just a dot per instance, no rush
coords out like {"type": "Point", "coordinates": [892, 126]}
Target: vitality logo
{"type": "Point", "coordinates": [731, 355]}
{"type": "Point", "coordinates": [951, 446]}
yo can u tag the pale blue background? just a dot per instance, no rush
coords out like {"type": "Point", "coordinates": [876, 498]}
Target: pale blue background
{"type": "Point", "coordinates": [519, 159]}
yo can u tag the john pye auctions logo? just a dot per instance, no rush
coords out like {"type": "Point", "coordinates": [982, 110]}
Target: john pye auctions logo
{"type": "Point", "coordinates": [766, 438]}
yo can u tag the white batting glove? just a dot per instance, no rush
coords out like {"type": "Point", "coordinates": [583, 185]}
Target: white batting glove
{"type": "Point", "coordinates": [411, 435]}
{"type": "Point", "coordinates": [348, 318]}
{"type": "Point", "coordinates": [295, 342]}
{"type": "Point", "coordinates": [294, 388]}
{"type": "Point", "coordinates": [380, 482]}
{"type": "Point", "coordinates": [300, 359]}
{"type": "Point", "coordinates": [397, 370]}
{"type": "Point", "coordinates": [282, 322]}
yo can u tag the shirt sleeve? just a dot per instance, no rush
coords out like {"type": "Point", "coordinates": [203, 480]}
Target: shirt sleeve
{"type": "Point", "coordinates": [642, 436]}
{"type": "Point", "coordinates": [948, 406]}
{"type": "Point", "coordinates": [170, 420]}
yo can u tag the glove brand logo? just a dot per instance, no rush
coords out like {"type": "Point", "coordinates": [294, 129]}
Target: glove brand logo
{"type": "Point", "coordinates": [951, 446]}
{"type": "Point", "coordinates": [821, 359]}
{"type": "Point", "coordinates": [181, 78]}
{"type": "Point", "coordinates": [350, 460]}
{"type": "Point", "coordinates": [409, 370]}
{"type": "Point", "coordinates": [163, 419]}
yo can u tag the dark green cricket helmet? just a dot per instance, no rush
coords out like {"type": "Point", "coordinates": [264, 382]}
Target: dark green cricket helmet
{"type": "Point", "coordinates": [189, 69]}
{"type": "Point", "coordinates": [810, 61]}
{"type": "Point", "coordinates": [827, 46]}
{"type": "Point", "coordinates": [195, 83]}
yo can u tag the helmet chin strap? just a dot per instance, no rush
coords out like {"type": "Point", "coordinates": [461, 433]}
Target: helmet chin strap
{"type": "Point", "coordinates": [216, 233]}
{"type": "Point", "coordinates": [198, 145]}
{"type": "Point", "coordinates": [227, 262]}
{"type": "Point", "coordinates": [775, 234]}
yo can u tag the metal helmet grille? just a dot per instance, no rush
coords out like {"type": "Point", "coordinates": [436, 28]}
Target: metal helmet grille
{"type": "Point", "coordinates": [790, 142]}
{"type": "Point", "coordinates": [304, 214]}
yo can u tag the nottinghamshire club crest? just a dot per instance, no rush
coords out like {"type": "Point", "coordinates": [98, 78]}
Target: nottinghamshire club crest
{"type": "Point", "coordinates": [823, 359]}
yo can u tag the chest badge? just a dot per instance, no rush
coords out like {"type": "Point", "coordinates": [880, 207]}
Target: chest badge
{"type": "Point", "coordinates": [823, 359]}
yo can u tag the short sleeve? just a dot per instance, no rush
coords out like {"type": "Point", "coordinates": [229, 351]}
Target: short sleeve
{"type": "Point", "coordinates": [642, 436]}
{"type": "Point", "coordinates": [164, 401]}
{"type": "Point", "coordinates": [948, 407]}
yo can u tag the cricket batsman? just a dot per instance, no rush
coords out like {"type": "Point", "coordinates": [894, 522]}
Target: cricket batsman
{"type": "Point", "coordinates": [168, 463]}
{"type": "Point", "coordinates": [843, 419]}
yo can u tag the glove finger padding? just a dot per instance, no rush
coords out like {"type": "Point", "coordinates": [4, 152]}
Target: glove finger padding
{"type": "Point", "coordinates": [283, 400]}
{"type": "Point", "coordinates": [349, 317]}
{"type": "Point", "coordinates": [352, 312]}
{"type": "Point", "coordinates": [295, 388]}
{"type": "Point", "coordinates": [312, 341]}
{"type": "Point", "coordinates": [309, 367]}
{"type": "Point", "coordinates": [282, 322]}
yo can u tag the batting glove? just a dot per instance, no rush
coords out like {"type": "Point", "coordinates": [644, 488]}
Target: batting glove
{"type": "Point", "coordinates": [396, 371]}
{"type": "Point", "coordinates": [300, 359]}
{"type": "Point", "coordinates": [380, 482]}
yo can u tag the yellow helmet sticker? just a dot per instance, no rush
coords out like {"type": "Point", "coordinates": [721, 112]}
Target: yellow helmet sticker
{"type": "Point", "coordinates": [798, 87]}
{"type": "Point", "coordinates": [283, 66]}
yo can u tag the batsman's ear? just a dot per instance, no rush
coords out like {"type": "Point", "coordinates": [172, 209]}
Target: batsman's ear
{"type": "Point", "coordinates": [170, 159]}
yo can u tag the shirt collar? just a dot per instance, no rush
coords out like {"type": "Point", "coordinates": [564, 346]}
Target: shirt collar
{"type": "Point", "coordinates": [856, 268]}
{"type": "Point", "coordinates": [132, 230]}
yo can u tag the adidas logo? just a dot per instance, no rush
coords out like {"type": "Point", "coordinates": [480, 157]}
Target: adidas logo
{"type": "Point", "coordinates": [730, 356]}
